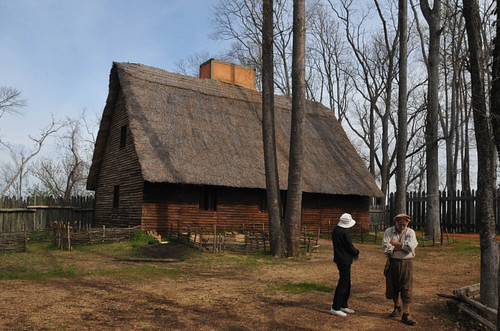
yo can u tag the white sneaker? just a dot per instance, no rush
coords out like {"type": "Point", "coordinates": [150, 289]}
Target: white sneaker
{"type": "Point", "coordinates": [337, 313]}
{"type": "Point", "coordinates": [347, 310]}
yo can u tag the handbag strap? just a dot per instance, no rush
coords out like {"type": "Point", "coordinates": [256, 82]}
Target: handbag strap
{"type": "Point", "coordinates": [401, 234]}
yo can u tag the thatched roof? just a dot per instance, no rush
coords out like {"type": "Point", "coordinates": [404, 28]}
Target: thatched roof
{"type": "Point", "coordinates": [201, 131]}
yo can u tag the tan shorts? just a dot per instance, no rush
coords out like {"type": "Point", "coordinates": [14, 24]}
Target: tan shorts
{"type": "Point", "coordinates": [400, 280]}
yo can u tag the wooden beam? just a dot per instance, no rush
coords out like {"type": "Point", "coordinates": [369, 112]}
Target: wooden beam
{"type": "Point", "coordinates": [492, 313]}
{"type": "Point", "coordinates": [467, 289]}
{"type": "Point", "coordinates": [463, 307]}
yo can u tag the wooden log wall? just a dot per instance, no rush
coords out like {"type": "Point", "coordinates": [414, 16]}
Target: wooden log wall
{"type": "Point", "coordinates": [119, 167]}
{"type": "Point", "coordinates": [322, 212]}
{"type": "Point", "coordinates": [241, 209]}
{"type": "Point", "coordinates": [235, 208]}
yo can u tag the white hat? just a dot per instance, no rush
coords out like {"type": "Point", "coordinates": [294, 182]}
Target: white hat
{"type": "Point", "coordinates": [346, 221]}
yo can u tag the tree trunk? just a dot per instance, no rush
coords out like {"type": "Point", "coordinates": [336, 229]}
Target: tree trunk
{"type": "Point", "coordinates": [402, 112]}
{"type": "Point", "coordinates": [268, 132]}
{"type": "Point", "coordinates": [465, 165]}
{"type": "Point", "coordinates": [495, 109]}
{"type": "Point", "coordinates": [485, 160]}
{"type": "Point", "coordinates": [495, 86]}
{"type": "Point", "coordinates": [432, 17]}
{"type": "Point", "coordinates": [293, 212]}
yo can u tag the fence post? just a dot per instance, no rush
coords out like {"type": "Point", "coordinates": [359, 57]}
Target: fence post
{"type": "Point", "coordinates": [215, 238]}
{"type": "Point", "coordinates": [90, 233]}
{"type": "Point", "coordinates": [69, 237]}
{"type": "Point", "coordinates": [25, 238]}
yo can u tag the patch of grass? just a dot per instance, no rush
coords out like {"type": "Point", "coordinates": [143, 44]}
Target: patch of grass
{"type": "Point", "coordinates": [39, 247]}
{"type": "Point", "coordinates": [28, 273]}
{"type": "Point", "coordinates": [299, 288]}
{"type": "Point", "coordinates": [368, 237]}
{"type": "Point", "coordinates": [229, 263]}
{"type": "Point", "coordinates": [141, 271]}
{"type": "Point", "coordinates": [466, 249]}
{"type": "Point", "coordinates": [39, 236]}
{"type": "Point", "coordinates": [141, 238]}
{"type": "Point", "coordinates": [421, 254]}
{"type": "Point", "coordinates": [113, 250]}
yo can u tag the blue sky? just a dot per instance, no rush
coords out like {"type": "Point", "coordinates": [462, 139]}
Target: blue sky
{"type": "Point", "coordinates": [59, 53]}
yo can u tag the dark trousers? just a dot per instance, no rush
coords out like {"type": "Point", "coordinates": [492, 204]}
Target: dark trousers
{"type": "Point", "coordinates": [343, 290]}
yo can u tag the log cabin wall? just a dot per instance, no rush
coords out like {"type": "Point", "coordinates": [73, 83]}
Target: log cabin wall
{"type": "Point", "coordinates": [324, 211]}
{"type": "Point", "coordinates": [235, 208]}
{"type": "Point", "coordinates": [169, 203]}
{"type": "Point", "coordinates": [120, 174]}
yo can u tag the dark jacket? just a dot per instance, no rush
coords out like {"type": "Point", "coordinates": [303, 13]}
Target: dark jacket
{"type": "Point", "coordinates": [343, 250]}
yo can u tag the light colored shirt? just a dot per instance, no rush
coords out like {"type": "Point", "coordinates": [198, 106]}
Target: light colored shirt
{"type": "Point", "coordinates": [409, 241]}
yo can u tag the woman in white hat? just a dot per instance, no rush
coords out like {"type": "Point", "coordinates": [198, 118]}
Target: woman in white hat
{"type": "Point", "coordinates": [343, 254]}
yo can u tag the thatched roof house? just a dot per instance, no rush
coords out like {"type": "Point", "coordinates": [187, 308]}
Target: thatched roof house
{"type": "Point", "coordinates": [162, 128]}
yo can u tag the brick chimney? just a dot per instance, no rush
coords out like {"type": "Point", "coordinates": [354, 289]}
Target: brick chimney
{"type": "Point", "coordinates": [228, 72]}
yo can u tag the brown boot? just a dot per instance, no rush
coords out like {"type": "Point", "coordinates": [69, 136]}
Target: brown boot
{"type": "Point", "coordinates": [407, 320]}
{"type": "Point", "coordinates": [396, 312]}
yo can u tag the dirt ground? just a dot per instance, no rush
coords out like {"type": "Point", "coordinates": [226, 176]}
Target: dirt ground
{"type": "Point", "coordinates": [221, 297]}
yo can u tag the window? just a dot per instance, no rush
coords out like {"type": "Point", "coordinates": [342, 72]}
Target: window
{"type": "Point", "coordinates": [123, 136]}
{"type": "Point", "coordinates": [116, 196]}
{"type": "Point", "coordinates": [207, 200]}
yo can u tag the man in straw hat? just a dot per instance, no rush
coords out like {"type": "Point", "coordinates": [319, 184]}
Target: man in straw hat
{"type": "Point", "coordinates": [344, 253]}
{"type": "Point", "coordinates": [399, 245]}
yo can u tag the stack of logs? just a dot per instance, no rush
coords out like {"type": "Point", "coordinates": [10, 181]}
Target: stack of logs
{"type": "Point", "coordinates": [465, 299]}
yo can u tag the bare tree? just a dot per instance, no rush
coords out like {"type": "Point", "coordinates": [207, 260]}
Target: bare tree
{"type": "Point", "coordinates": [38, 143]}
{"type": "Point", "coordinates": [402, 112]}
{"type": "Point", "coordinates": [241, 21]}
{"type": "Point", "coordinates": [433, 18]}
{"type": "Point", "coordinates": [293, 209]}
{"type": "Point", "coordinates": [66, 176]}
{"type": "Point", "coordinates": [495, 86]}
{"type": "Point", "coordinates": [269, 134]}
{"type": "Point", "coordinates": [191, 65]}
{"type": "Point", "coordinates": [10, 169]}
{"type": "Point", "coordinates": [453, 40]}
{"type": "Point", "coordinates": [389, 45]}
{"type": "Point", "coordinates": [10, 100]}
{"type": "Point", "coordinates": [328, 54]}
{"type": "Point", "coordinates": [486, 159]}
{"type": "Point", "coordinates": [374, 78]}
{"type": "Point", "coordinates": [495, 108]}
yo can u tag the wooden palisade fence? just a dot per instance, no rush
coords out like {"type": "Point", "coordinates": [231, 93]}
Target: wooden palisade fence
{"type": "Point", "coordinates": [457, 209]}
{"type": "Point", "coordinates": [36, 214]}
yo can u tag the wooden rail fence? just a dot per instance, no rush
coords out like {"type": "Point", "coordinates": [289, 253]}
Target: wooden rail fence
{"type": "Point", "coordinates": [64, 236]}
{"type": "Point", "coordinates": [241, 240]}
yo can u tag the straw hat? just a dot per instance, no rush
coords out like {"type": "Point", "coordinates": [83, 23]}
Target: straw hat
{"type": "Point", "coordinates": [346, 221]}
{"type": "Point", "coordinates": [402, 217]}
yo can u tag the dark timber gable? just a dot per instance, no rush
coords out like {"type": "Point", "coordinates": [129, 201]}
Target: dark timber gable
{"type": "Point", "coordinates": [120, 174]}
